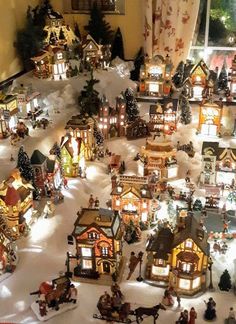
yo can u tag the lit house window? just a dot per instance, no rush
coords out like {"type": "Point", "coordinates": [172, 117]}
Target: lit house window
{"type": "Point", "coordinates": [186, 267]}
{"type": "Point", "coordinates": [93, 236]}
{"type": "Point", "coordinates": [59, 56]}
{"type": "Point", "coordinates": [87, 264]}
{"type": "Point", "coordinates": [86, 252]}
{"type": "Point", "coordinates": [117, 202]}
{"type": "Point", "coordinates": [104, 251]}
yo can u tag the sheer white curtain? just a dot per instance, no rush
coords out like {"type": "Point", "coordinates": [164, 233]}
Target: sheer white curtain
{"type": "Point", "coordinates": [169, 27]}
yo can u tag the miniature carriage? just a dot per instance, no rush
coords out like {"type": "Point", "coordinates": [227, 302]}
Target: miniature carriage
{"type": "Point", "coordinates": [115, 163]}
{"type": "Point", "coordinates": [55, 292]}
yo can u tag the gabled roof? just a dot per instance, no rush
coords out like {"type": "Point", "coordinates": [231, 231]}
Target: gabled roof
{"type": "Point", "coordinates": [203, 67]}
{"type": "Point", "coordinates": [161, 243]}
{"type": "Point", "coordinates": [37, 158]}
{"type": "Point", "coordinates": [23, 193]}
{"type": "Point", "coordinates": [89, 40]}
{"type": "Point", "coordinates": [51, 165]}
{"type": "Point", "coordinates": [66, 142]}
{"type": "Point", "coordinates": [191, 231]}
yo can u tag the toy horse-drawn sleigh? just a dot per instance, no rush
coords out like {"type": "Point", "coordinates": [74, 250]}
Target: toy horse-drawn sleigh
{"type": "Point", "coordinates": [54, 297]}
{"type": "Point", "coordinates": [110, 310]}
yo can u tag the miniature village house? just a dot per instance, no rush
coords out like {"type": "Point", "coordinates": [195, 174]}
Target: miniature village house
{"type": "Point", "coordinates": [155, 76]}
{"type": "Point", "coordinates": [137, 129]}
{"type": "Point", "coordinates": [219, 164]}
{"type": "Point", "coordinates": [28, 100]}
{"type": "Point", "coordinates": [42, 65]}
{"type": "Point", "coordinates": [16, 202]}
{"type": "Point", "coordinates": [163, 116]}
{"type": "Point", "coordinates": [132, 197]}
{"type": "Point", "coordinates": [112, 120]}
{"type": "Point", "coordinates": [72, 155]}
{"type": "Point", "coordinates": [98, 237]}
{"type": "Point", "coordinates": [58, 62]}
{"type": "Point", "coordinates": [81, 127]}
{"type": "Point", "coordinates": [158, 157]}
{"type": "Point", "coordinates": [210, 116]}
{"type": "Point", "coordinates": [198, 78]}
{"type": "Point", "coordinates": [233, 78]}
{"type": "Point", "coordinates": [8, 114]}
{"type": "Point", "coordinates": [92, 51]}
{"type": "Point", "coordinates": [47, 171]}
{"type": "Point", "coordinates": [179, 259]}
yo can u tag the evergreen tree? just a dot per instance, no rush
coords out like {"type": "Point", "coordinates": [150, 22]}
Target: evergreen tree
{"type": "Point", "coordinates": [223, 79]}
{"type": "Point", "coordinates": [61, 34]}
{"type": "Point", "coordinates": [225, 281]}
{"type": "Point", "coordinates": [98, 136]}
{"type": "Point", "coordinates": [132, 111]}
{"type": "Point", "coordinates": [117, 46]}
{"type": "Point", "coordinates": [97, 27]}
{"type": "Point", "coordinates": [24, 165]}
{"type": "Point", "coordinates": [178, 77]}
{"type": "Point", "coordinates": [185, 115]}
{"type": "Point", "coordinates": [77, 31]}
{"type": "Point", "coordinates": [88, 100]}
{"type": "Point", "coordinates": [197, 206]}
{"type": "Point", "coordinates": [171, 210]}
{"type": "Point", "coordinates": [138, 62]}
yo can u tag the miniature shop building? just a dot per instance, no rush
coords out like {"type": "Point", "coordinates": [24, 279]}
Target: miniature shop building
{"type": "Point", "coordinates": [112, 120]}
{"type": "Point", "coordinates": [29, 101]}
{"type": "Point", "coordinates": [158, 156]}
{"type": "Point", "coordinates": [98, 235]}
{"type": "Point", "coordinates": [163, 116]}
{"type": "Point", "coordinates": [155, 76]}
{"type": "Point", "coordinates": [233, 78]}
{"type": "Point", "coordinates": [219, 164]}
{"type": "Point", "coordinates": [58, 62]}
{"type": "Point", "coordinates": [42, 65]}
{"type": "Point", "coordinates": [16, 202]}
{"type": "Point", "coordinates": [198, 78]}
{"type": "Point", "coordinates": [8, 114]}
{"type": "Point", "coordinates": [82, 128]}
{"type": "Point", "coordinates": [132, 197]}
{"type": "Point", "coordinates": [137, 129]}
{"type": "Point", "coordinates": [210, 116]}
{"type": "Point", "coordinates": [179, 259]}
{"type": "Point", "coordinates": [72, 155]}
{"type": "Point", "coordinates": [92, 51]}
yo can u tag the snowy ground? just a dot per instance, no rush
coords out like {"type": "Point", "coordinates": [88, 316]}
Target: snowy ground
{"type": "Point", "coordinates": [42, 254]}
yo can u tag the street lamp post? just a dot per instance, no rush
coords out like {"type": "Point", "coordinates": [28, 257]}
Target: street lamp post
{"type": "Point", "coordinates": [210, 263]}
{"type": "Point", "coordinates": [140, 257]}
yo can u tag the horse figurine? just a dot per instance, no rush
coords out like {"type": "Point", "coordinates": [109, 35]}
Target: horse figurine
{"type": "Point", "coordinates": [148, 311]}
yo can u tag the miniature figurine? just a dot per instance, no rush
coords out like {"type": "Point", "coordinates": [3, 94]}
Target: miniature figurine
{"type": "Point", "coordinates": [192, 316]}
{"type": "Point", "coordinates": [115, 289]}
{"type": "Point", "coordinates": [73, 294]}
{"type": "Point", "coordinates": [96, 203]}
{"type": "Point", "coordinates": [183, 318]}
{"type": "Point", "coordinates": [48, 209]}
{"type": "Point", "coordinates": [12, 158]}
{"type": "Point", "coordinates": [178, 299]}
{"type": "Point", "coordinates": [226, 226]}
{"type": "Point", "coordinates": [231, 318]}
{"type": "Point", "coordinates": [210, 312]}
{"type": "Point", "coordinates": [42, 308]}
{"type": "Point", "coordinates": [224, 248]}
{"type": "Point", "coordinates": [91, 202]}
{"type": "Point", "coordinates": [133, 261]}
{"type": "Point", "coordinates": [168, 299]}
{"type": "Point", "coordinates": [65, 183]}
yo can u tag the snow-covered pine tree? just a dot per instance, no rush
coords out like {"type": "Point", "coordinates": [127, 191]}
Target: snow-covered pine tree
{"type": "Point", "coordinates": [185, 109]}
{"type": "Point", "coordinates": [178, 77]}
{"type": "Point", "coordinates": [76, 30]}
{"type": "Point", "coordinates": [55, 150]}
{"type": "Point", "coordinates": [223, 79]}
{"type": "Point", "coordinates": [225, 281]}
{"type": "Point", "coordinates": [98, 136]}
{"type": "Point", "coordinates": [97, 27]}
{"type": "Point", "coordinates": [117, 46]}
{"type": "Point", "coordinates": [132, 111]}
{"type": "Point", "coordinates": [88, 100]}
{"type": "Point", "coordinates": [24, 165]}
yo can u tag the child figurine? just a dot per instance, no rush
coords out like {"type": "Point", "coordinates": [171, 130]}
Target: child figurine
{"type": "Point", "coordinates": [183, 318]}
{"type": "Point", "coordinates": [73, 294]}
{"type": "Point", "coordinates": [96, 203]}
{"type": "Point", "coordinates": [210, 312]}
{"type": "Point", "coordinates": [42, 305]}
{"type": "Point", "coordinates": [192, 316]}
{"type": "Point", "coordinates": [133, 261]}
{"type": "Point", "coordinates": [91, 202]}
{"type": "Point", "coordinates": [231, 318]}
{"type": "Point", "coordinates": [178, 299]}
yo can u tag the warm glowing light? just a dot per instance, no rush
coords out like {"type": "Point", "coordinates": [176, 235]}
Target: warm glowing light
{"type": "Point", "coordinates": [74, 145]}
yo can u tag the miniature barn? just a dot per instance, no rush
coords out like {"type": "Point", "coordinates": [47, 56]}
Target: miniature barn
{"type": "Point", "coordinates": [98, 237]}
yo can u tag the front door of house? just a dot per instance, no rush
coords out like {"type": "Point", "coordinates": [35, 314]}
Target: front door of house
{"type": "Point", "coordinates": [106, 267]}
{"type": "Point", "coordinates": [209, 129]}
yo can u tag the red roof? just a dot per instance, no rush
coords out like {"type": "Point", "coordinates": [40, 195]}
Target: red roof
{"type": "Point", "coordinates": [12, 196]}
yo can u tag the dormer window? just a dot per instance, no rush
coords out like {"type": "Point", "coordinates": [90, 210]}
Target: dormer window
{"type": "Point", "coordinates": [59, 56]}
{"type": "Point", "coordinates": [93, 236]}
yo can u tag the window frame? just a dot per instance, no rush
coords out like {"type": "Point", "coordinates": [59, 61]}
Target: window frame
{"type": "Point", "coordinates": [119, 10]}
{"type": "Point", "coordinates": [208, 49]}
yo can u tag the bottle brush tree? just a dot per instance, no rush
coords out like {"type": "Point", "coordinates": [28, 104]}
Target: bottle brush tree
{"type": "Point", "coordinates": [132, 111]}
{"type": "Point", "coordinates": [97, 26]}
{"type": "Point", "coordinates": [225, 281]}
{"type": "Point", "coordinates": [185, 114]}
{"type": "Point", "coordinates": [117, 46]}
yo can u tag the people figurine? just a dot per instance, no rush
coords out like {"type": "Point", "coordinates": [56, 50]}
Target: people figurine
{"type": "Point", "coordinates": [224, 248]}
{"type": "Point", "coordinates": [91, 202]}
{"type": "Point", "coordinates": [48, 209]}
{"type": "Point", "coordinates": [167, 298]}
{"type": "Point", "coordinates": [96, 203]}
{"type": "Point", "coordinates": [65, 183]}
{"type": "Point", "coordinates": [73, 294]}
{"type": "Point", "coordinates": [115, 289]}
{"type": "Point", "coordinates": [226, 226]}
{"type": "Point", "coordinates": [178, 299]}
{"type": "Point", "coordinates": [210, 312]}
{"type": "Point", "coordinates": [12, 158]}
{"type": "Point", "coordinates": [42, 305]}
{"type": "Point", "coordinates": [183, 318]}
{"type": "Point", "coordinates": [231, 318]}
{"type": "Point", "coordinates": [133, 261]}
{"type": "Point", "coordinates": [192, 316]}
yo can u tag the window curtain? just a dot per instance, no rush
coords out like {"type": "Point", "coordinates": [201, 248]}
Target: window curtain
{"type": "Point", "coordinates": [169, 27]}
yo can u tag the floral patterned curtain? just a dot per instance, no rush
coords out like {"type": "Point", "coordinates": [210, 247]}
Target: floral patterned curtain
{"type": "Point", "coordinates": [169, 27]}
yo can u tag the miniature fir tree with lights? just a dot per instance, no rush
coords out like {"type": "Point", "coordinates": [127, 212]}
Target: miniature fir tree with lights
{"type": "Point", "coordinates": [132, 111]}
{"type": "Point", "coordinates": [97, 27]}
{"type": "Point", "coordinates": [88, 100]}
{"type": "Point", "coordinates": [77, 31]}
{"type": "Point", "coordinates": [117, 46]}
{"type": "Point", "coordinates": [197, 206]}
{"type": "Point", "coordinates": [225, 281]}
{"type": "Point", "coordinates": [98, 136]}
{"type": "Point", "coordinates": [223, 79]}
{"type": "Point", "coordinates": [138, 62]}
{"type": "Point", "coordinates": [185, 115]}
{"type": "Point", "coordinates": [178, 77]}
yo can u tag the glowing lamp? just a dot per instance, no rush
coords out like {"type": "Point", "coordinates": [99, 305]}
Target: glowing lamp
{"type": "Point", "coordinates": [122, 123]}
{"type": "Point", "coordinates": [119, 189]}
{"type": "Point", "coordinates": [144, 192]}
{"type": "Point", "coordinates": [105, 127]}
{"type": "Point", "coordinates": [198, 78]}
